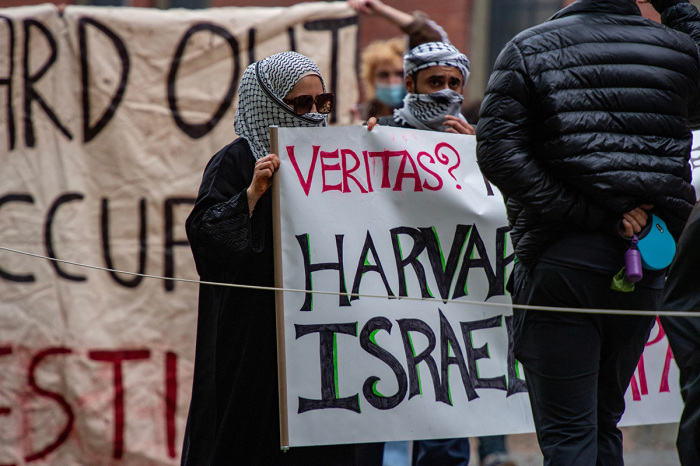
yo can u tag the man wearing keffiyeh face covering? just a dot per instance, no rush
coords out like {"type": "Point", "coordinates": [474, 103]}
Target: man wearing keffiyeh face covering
{"type": "Point", "coordinates": [435, 74]}
{"type": "Point", "coordinates": [234, 412]}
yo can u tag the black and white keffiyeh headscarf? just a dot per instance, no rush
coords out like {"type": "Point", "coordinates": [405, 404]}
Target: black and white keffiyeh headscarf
{"type": "Point", "coordinates": [435, 54]}
{"type": "Point", "coordinates": [428, 111]}
{"type": "Point", "coordinates": [260, 105]}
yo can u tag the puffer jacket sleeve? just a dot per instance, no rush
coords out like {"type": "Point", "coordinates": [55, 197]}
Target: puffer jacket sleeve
{"type": "Point", "coordinates": [505, 152]}
{"type": "Point", "coordinates": [684, 17]}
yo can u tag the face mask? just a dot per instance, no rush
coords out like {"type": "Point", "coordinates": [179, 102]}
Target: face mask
{"type": "Point", "coordinates": [427, 111]}
{"type": "Point", "coordinates": [391, 94]}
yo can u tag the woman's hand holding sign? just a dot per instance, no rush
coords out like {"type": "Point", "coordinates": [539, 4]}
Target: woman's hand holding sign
{"type": "Point", "coordinates": [262, 179]}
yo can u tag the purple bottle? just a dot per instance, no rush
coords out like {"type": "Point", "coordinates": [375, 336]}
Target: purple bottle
{"type": "Point", "coordinates": [633, 262]}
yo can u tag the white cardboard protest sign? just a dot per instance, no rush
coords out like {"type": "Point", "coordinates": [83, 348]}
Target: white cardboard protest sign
{"type": "Point", "coordinates": [404, 220]}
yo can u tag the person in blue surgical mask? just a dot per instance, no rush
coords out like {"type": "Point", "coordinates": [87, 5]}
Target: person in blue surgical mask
{"type": "Point", "coordinates": [381, 70]}
{"type": "Point", "coordinates": [390, 93]}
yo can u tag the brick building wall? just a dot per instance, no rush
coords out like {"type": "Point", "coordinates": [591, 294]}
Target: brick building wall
{"type": "Point", "coordinates": [468, 23]}
{"type": "Point", "coordinates": [454, 16]}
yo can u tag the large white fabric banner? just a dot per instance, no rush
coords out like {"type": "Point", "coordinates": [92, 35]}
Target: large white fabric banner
{"type": "Point", "coordinates": [402, 226]}
{"type": "Point", "coordinates": [108, 117]}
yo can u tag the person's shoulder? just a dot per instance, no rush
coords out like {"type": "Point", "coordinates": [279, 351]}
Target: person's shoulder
{"type": "Point", "coordinates": [563, 30]}
{"type": "Point", "coordinates": [238, 147]}
{"type": "Point", "coordinates": [374, 108]}
{"type": "Point", "coordinates": [235, 150]}
{"type": "Point", "coordinates": [534, 32]}
{"type": "Point", "coordinates": [231, 155]}
{"type": "Point", "coordinates": [389, 120]}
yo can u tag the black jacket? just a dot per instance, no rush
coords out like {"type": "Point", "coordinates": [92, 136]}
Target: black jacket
{"type": "Point", "coordinates": [588, 116]}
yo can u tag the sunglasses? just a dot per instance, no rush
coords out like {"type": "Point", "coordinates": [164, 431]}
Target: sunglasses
{"type": "Point", "coordinates": [303, 103]}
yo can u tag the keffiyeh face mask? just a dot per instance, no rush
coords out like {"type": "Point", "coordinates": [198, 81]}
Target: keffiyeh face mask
{"type": "Point", "coordinates": [428, 111]}
{"type": "Point", "coordinates": [260, 105]}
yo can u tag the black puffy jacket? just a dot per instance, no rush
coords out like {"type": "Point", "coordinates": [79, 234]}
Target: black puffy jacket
{"type": "Point", "coordinates": [588, 116]}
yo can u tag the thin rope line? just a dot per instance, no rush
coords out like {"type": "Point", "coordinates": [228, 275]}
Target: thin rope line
{"type": "Point", "coordinates": [361, 295]}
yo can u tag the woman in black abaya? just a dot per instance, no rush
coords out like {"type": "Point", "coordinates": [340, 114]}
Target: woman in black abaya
{"type": "Point", "coordinates": [234, 412]}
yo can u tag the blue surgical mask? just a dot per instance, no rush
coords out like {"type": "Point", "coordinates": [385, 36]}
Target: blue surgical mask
{"type": "Point", "coordinates": [391, 94]}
